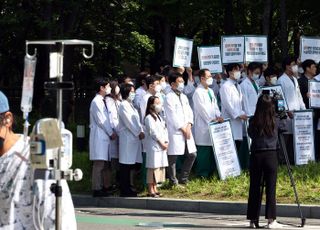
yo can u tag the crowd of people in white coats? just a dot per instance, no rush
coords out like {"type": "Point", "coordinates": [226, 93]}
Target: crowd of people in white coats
{"type": "Point", "coordinates": [151, 120]}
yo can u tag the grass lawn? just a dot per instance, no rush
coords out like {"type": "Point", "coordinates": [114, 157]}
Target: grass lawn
{"type": "Point", "coordinates": [307, 179]}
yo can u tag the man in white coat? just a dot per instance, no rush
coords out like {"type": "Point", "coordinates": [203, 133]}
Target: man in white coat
{"type": "Point", "coordinates": [100, 135]}
{"type": "Point", "coordinates": [292, 94]}
{"type": "Point", "coordinates": [206, 110]}
{"type": "Point", "coordinates": [231, 103]}
{"type": "Point", "coordinates": [250, 88]}
{"type": "Point", "coordinates": [179, 117]}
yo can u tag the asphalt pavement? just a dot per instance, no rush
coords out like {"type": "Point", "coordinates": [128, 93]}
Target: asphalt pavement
{"type": "Point", "coordinates": [93, 218]}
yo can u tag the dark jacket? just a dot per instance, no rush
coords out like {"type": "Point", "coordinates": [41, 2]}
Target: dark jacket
{"type": "Point", "coordinates": [304, 88]}
{"type": "Point", "coordinates": [266, 143]}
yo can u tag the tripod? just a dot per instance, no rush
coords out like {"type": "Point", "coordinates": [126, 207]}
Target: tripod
{"type": "Point", "coordinates": [285, 154]}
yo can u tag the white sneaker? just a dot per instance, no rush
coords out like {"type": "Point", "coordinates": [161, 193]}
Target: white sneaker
{"type": "Point", "coordinates": [274, 225]}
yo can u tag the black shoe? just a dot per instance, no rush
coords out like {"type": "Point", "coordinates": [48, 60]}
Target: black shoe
{"type": "Point", "coordinates": [100, 193]}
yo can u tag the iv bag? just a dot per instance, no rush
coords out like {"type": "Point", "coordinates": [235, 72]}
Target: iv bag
{"type": "Point", "coordinates": [28, 80]}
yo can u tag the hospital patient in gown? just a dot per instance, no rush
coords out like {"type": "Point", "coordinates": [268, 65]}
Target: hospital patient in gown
{"type": "Point", "coordinates": [26, 201]}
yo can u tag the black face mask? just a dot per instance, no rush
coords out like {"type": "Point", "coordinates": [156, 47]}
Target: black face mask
{"type": "Point", "coordinates": [1, 142]}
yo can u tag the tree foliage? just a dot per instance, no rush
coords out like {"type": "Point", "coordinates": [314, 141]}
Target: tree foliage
{"type": "Point", "coordinates": [133, 35]}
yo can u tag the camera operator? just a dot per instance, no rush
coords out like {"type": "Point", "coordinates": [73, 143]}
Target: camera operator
{"type": "Point", "coordinates": [263, 130]}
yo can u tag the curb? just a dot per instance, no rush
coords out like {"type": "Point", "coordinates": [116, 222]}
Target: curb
{"type": "Point", "coordinates": [183, 205]}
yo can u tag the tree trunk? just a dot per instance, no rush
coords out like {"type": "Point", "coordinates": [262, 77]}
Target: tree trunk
{"type": "Point", "coordinates": [167, 41]}
{"type": "Point", "coordinates": [266, 25]}
{"type": "Point", "coordinates": [283, 29]}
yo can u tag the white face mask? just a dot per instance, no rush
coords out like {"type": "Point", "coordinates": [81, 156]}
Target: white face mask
{"type": "Point", "coordinates": [163, 85]}
{"type": "Point", "coordinates": [300, 70]}
{"type": "Point", "coordinates": [294, 69]}
{"type": "Point", "coordinates": [243, 74]}
{"type": "Point", "coordinates": [180, 87]}
{"type": "Point", "coordinates": [273, 81]}
{"type": "Point", "coordinates": [209, 81]}
{"type": "Point", "coordinates": [158, 108]}
{"type": "Point", "coordinates": [237, 75]}
{"type": "Point", "coordinates": [131, 96]}
{"type": "Point", "coordinates": [255, 77]}
{"type": "Point", "coordinates": [108, 90]}
{"type": "Point", "coordinates": [117, 90]}
{"type": "Point", "coordinates": [158, 88]}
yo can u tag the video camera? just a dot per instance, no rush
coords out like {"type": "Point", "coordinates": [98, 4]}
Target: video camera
{"type": "Point", "coordinates": [278, 101]}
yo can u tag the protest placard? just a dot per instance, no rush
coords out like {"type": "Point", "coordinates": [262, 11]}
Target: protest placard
{"type": "Point", "coordinates": [232, 49]}
{"type": "Point", "coordinates": [314, 90]}
{"type": "Point", "coordinates": [303, 137]}
{"type": "Point", "coordinates": [256, 49]}
{"type": "Point", "coordinates": [224, 149]}
{"type": "Point", "coordinates": [182, 52]}
{"type": "Point", "coordinates": [210, 58]}
{"type": "Point", "coordinates": [310, 48]}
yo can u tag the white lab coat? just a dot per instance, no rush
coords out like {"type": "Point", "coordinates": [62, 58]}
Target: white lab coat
{"type": "Point", "coordinates": [130, 147]}
{"type": "Point", "coordinates": [205, 111]}
{"type": "Point", "coordinates": [250, 96]}
{"type": "Point", "coordinates": [143, 105]}
{"type": "Point", "coordinates": [140, 92]}
{"type": "Point", "coordinates": [100, 130]}
{"type": "Point", "coordinates": [113, 111]}
{"type": "Point", "coordinates": [178, 115]}
{"type": "Point", "coordinates": [231, 107]}
{"type": "Point", "coordinates": [155, 131]}
{"type": "Point", "coordinates": [291, 92]}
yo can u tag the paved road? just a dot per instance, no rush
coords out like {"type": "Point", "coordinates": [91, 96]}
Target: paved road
{"type": "Point", "coordinates": [127, 219]}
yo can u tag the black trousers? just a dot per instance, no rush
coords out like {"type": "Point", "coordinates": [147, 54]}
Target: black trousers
{"type": "Point", "coordinates": [124, 176]}
{"type": "Point", "coordinates": [263, 167]}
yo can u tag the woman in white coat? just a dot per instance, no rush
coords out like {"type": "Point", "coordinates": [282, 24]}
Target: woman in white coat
{"type": "Point", "coordinates": [179, 117]}
{"type": "Point", "coordinates": [156, 145]}
{"type": "Point", "coordinates": [130, 136]}
{"type": "Point", "coordinates": [112, 105]}
{"type": "Point", "coordinates": [231, 102]}
{"type": "Point", "coordinates": [101, 134]}
{"type": "Point", "coordinates": [206, 110]}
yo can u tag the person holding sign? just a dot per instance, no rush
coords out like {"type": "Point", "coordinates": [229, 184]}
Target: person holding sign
{"type": "Point", "coordinates": [309, 69]}
{"type": "Point", "coordinates": [263, 131]}
{"type": "Point", "coordinates": [206, 110]}
{"type": "Point", "coordinates": [231, 102]}
{"type": "Point", "coordinates": [179, 117]}
{"type": "Point", "coordinates": [250, 87]}
{"type": "Point", "coordinates": [292, 94]}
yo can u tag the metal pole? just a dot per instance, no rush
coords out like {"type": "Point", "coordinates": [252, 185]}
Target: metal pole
{"type": "Point", "coordinates": [59, 115]}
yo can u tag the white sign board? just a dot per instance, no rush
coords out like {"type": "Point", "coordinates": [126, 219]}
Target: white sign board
{"type": "Point", "coordinates": [309, 49]}
{"type": "Point", "coordinates": [232, 49]}
{"type": "Point", "coordinates": [210, 58]}
{"type": "Point", "coordinates": [314, 90]}
{"type": "Point", "coordinates": [182, 52]}
{"type": "Point", "coordinates": [277, 89]}
{"type": "Point", "coordinates": [224, 148]}
{"type": "Point", "coordinates": [256, 49]}
{"type": "Point", "coordinates": [303, 137]}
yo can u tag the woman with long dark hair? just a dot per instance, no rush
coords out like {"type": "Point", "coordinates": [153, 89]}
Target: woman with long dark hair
{"type": "Point", "coordinates": [263, 130]}
{"type": "Point", "coordinates": [156, 145]}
